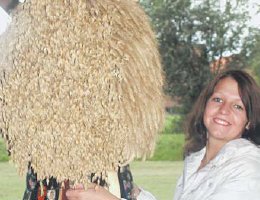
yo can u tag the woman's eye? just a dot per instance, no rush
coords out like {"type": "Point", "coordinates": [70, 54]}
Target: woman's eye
{"type": "Point", "coordinates": [238, 107]}
{"type": "Point", "coordinates": [217, 99]}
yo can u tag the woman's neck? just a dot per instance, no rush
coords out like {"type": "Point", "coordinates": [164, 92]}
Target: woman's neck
{"type": "Point", "coordinates": [212, 149]}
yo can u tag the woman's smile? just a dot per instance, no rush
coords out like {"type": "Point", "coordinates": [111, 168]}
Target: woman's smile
{"type": "Point", "coordinates": [221, 122]}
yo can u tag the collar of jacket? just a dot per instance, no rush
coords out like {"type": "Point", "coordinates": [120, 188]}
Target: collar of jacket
{"type": "Point", "coordinates": [229, 150]}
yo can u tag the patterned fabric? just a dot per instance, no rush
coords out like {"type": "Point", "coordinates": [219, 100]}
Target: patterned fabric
{"type": "Point", "coordinates": [126, 182]}
{"type": "Point", "coordinates": [31, 186]}
{"type": "Point", "coordinates": [49, 189]}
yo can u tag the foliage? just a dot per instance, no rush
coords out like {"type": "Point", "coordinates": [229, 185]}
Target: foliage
{"type": "Point", "coordinates": [254, 53]}
{"type": "Point", "coordinates": [169, 147]}
{"type": "Point", "coordinates": [190, 36]}
{"type": "Point", "coordinates": [172, 124]}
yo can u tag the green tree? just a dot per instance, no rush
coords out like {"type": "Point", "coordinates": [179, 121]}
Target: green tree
{"type": "Point", "coordinates": [253, 52]}
{"type": "Point", "coordinates": [191, 35]}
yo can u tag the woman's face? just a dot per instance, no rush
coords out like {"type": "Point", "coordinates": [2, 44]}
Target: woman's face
{"type": "Point", "coordinates": [225, 115]}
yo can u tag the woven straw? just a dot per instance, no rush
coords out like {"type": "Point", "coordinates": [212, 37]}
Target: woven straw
{"type": "Point", "coordinates": [81, 87]}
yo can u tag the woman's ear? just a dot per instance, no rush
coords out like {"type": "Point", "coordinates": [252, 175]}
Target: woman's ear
{"type": "Point", "coordinates": [247, 125]}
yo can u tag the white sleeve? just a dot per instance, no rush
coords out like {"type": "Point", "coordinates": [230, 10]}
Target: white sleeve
{"type": "Point", "coordinates": [244, 184]}
{"type": "Point", "coordinates": [145, 195]}
{"type": "Point", "coordinates": [247, 188]}
{"type": "Point", "coordinates": [178, 188]}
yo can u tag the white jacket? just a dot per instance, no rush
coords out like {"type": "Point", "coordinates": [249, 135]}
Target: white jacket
{"type": "Point", "coordinates": [234, 174]}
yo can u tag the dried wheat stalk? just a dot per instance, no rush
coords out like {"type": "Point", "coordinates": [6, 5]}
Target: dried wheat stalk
{"type": "Point", "coordinates": [81, 86]}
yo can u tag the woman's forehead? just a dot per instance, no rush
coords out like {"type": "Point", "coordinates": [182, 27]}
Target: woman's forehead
{"type": "Point", "coordinates": [228, 87]}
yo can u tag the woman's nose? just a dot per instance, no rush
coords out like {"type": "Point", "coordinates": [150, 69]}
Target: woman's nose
{"type": "Point", "coordinates": [225, 108]}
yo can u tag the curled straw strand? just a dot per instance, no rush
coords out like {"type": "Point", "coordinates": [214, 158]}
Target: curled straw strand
{"type": "Point", "coordinates": [81, 87]}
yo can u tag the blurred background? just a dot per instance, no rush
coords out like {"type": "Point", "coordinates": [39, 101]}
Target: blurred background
{"type": "Point", "coordinates": [197, 39]}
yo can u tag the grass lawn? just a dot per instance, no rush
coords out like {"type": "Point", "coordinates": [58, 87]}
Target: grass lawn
{"type": "Point", "coordinates": [11, 185]}
{"type": "Point", "coordinates": [3, 152]}
{"type": "Point", "coordinates": [158, 177]}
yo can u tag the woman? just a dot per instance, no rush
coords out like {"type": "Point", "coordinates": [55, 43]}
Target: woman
{"type": "Point", "coordinates": [223, 158]}
{"type": "Point", "coordinates": [224, 126]}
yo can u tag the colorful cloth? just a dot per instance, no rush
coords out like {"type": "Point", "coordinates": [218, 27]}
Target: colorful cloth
{"type": "Point", "coordinates": [47, 189]}
{"type": "Point", "coordinates": [50, 189]}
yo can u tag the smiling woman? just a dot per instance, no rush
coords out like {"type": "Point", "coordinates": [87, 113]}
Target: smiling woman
{"type": "Point", "coordinates": [223, 156]}
{"type": "Point", "coordinates": [225, 115]}
{"type": "Point", "coordinates": [232, 94]}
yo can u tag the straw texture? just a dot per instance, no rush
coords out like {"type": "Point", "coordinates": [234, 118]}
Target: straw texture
{"type": "Point", "coordinates": [81, 87]}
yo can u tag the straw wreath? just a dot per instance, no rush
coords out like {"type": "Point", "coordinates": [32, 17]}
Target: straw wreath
{"type": "Point", "coordinates": [81, 87]}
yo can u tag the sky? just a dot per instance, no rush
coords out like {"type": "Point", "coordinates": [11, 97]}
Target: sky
{"type": "Point", "coordinates": [253, 11]}
{"type": "Point", "coordinates": [5, 19]}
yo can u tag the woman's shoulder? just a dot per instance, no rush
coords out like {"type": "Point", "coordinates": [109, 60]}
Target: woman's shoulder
{"type": "Point", "coordinates": [240, 147]}
{"type": "Point", "coordinates": [240, 155]}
